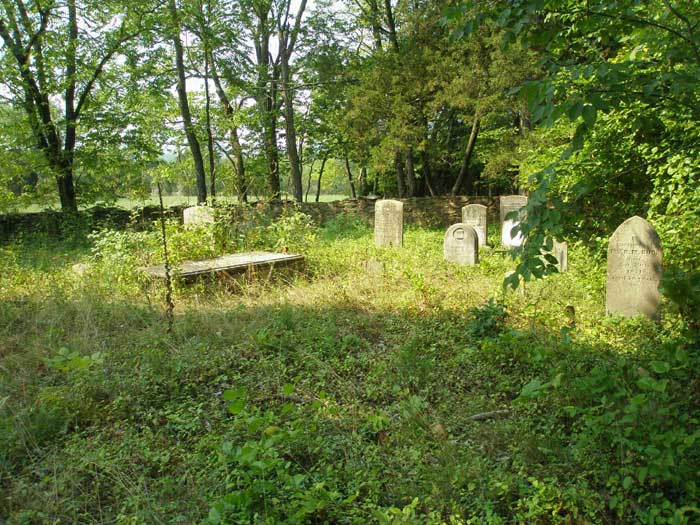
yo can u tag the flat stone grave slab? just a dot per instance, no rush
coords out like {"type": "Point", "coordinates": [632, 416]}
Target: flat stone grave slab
{"type": "Point", "coordinates": [228, 264]}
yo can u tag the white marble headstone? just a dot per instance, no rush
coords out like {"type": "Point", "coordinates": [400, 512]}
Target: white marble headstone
{"type": "Point", "coordinates": [510, 203]}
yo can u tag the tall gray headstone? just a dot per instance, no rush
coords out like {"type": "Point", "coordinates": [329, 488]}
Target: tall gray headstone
{"type": "Point", "coordinates": [508, 204]}
{"type": "Point", "coordinates": [476, 216]}
{"type": "Point", "coordinates": [198, 215]}
{"type": "Point", "coordinates": [388, 223]}
{"type": "Point", "coordinates": [461, 245]}
{"type": "Point", "coordinates": [634, 270]}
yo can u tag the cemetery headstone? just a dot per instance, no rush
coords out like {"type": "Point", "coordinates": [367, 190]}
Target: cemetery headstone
{"type": "Point", "coordinates": [508, 204]}
{"type": "Point", "coordinates": [634, 270]}
{"type": "Point", "coordinates": [461, 245]}
{"type": "Point", "coordinates": [560, 250]}
{"type": "Point", "coordinates": [388, 223]}
{"type": "Point", "coordinates": [373, 267]}
{"type": "Point", "coordinates": [198, 215]}
{"type": "Point", "coordinates": [475, 215]}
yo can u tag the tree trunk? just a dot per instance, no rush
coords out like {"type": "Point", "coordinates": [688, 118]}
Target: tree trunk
{"type": "Point", "coordinates": [242, 183]}
{"type": "Point", "coordinates": [66, 189]}
{"type": "Point", "coordinates": [400, 179]}
{"type": "Point", "coordinates": [320, 174]}
{"type": "Point", "coordinates": [465, 162]}
{"type": "Point", "coordinates": [287, 42]}
{"type": "Point", "coordinates": [410, 174]}
{"type": "Point", "coordinates": [267, 100]}
{"type": "Point", "coordinates": [352, 183]}
{"type": "Point", "coordinates": [376, 25]}
{"type": "Point", "coordinates": [308, 182]}
{"type": "Point", "coordinates": [291, 134]}
{"type": "Point", "coordinates": [238, 165]}
{"type": "Point", "coordinates": [391, 22]}
{"type": "Point", "coordinates": [210, 137]}
{"type": "Point", "coordinates": [426, 173]}
{"type": "Point", "coordinates": [362, 182]}
{"type": "Point", "coordinates": [195, 149]}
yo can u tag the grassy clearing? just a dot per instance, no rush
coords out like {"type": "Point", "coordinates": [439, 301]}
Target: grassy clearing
{"type": "Point", "coordinates": [335, 395]}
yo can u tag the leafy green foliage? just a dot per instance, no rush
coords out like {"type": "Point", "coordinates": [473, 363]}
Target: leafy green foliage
{"type": "Point", "coordinates": [488, 320]}
{"type": "Point", "coordinates": [337, 395]}
{"type": "Point", "coordinates": [616, 110]}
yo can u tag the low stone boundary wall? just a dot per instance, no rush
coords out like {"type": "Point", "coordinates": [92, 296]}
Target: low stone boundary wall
{"type": "Point", "coordinates": [57, 223]}
{"type": "Point", "coordinates": [420, 211]}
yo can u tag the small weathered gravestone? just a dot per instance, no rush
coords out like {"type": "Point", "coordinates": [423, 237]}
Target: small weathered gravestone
{"type": "Point", "coordinates": [198, 215]}
{"type": "Point", "coordinates": [388, 223]}
{"type": "Point", "coordinates": [373, 267]}
{"type": "Point", "coordinates": [461, 245]}
{"type": "Point", "coordinates": [634, 270]}
{"type": "Point", "coordinates": [80, 269]}
{"type": "Point", "coordinates": [475, 215]}
{"type": "Point", "coordinates": [560, 250]}
{"type": "Point", "coordinates": [508, 204]}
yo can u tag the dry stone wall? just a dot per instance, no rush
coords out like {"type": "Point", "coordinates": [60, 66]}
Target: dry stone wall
{"type": "Point", "coordinates": [435, 212]}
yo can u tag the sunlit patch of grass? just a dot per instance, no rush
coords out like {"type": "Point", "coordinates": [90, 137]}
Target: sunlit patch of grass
{"type": "Point", "coordinates": [362, 377]}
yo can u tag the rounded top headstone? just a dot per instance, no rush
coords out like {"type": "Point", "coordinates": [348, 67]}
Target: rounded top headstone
{"type": "Point", "coordinates": [461, 245]}
{"type": "Point", "coordinates": [635, 258]}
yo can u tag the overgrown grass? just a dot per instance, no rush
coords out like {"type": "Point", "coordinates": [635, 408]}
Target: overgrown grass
{"type": "Point", "coordinates": [344, 393]}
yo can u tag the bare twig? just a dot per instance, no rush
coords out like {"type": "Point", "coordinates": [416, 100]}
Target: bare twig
{"type": "Point", "coordinates": [488, 415]}
{"type": "Point", "coordinates": [168, 281]}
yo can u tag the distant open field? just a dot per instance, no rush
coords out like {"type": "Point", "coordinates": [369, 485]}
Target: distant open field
{"type": "Point", "coordinates": [168, 200]}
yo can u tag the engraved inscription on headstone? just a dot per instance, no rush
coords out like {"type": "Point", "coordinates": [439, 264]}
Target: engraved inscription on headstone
{"type": "Point", "coordinates": [461, 245]}
{"type": "Point", "coordinates": [198, 215]}
{"type": "Point", "coordinates": [634, 270]}
{"type": "Point", "coordinates": [508, 204]}
{"type": "Point", "coordinates": [475, 215]}
{"type": "Point", "coordinates": [388, 223]}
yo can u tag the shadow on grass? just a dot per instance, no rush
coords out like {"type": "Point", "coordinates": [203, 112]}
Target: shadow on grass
{"type": "Point", "coordinates": [376, 405]}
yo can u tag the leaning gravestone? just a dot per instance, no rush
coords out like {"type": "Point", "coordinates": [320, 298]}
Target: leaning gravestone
{"type": "Point", "coordinates": [511, 203]}
{"type": "Point", "coordinates": [198, 215]}
{"type": "Point", "coordinates": [461, 245]}
{"type": "Point", "coordinates": [634, 270]}
{"type": "Point", "coordinates": [388, 223]}
{"type": "Point", "coordinates": [475, 215]}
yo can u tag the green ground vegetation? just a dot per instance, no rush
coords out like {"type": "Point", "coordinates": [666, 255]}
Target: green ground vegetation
{"type": "Point", "coordinates": [340, 393]}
